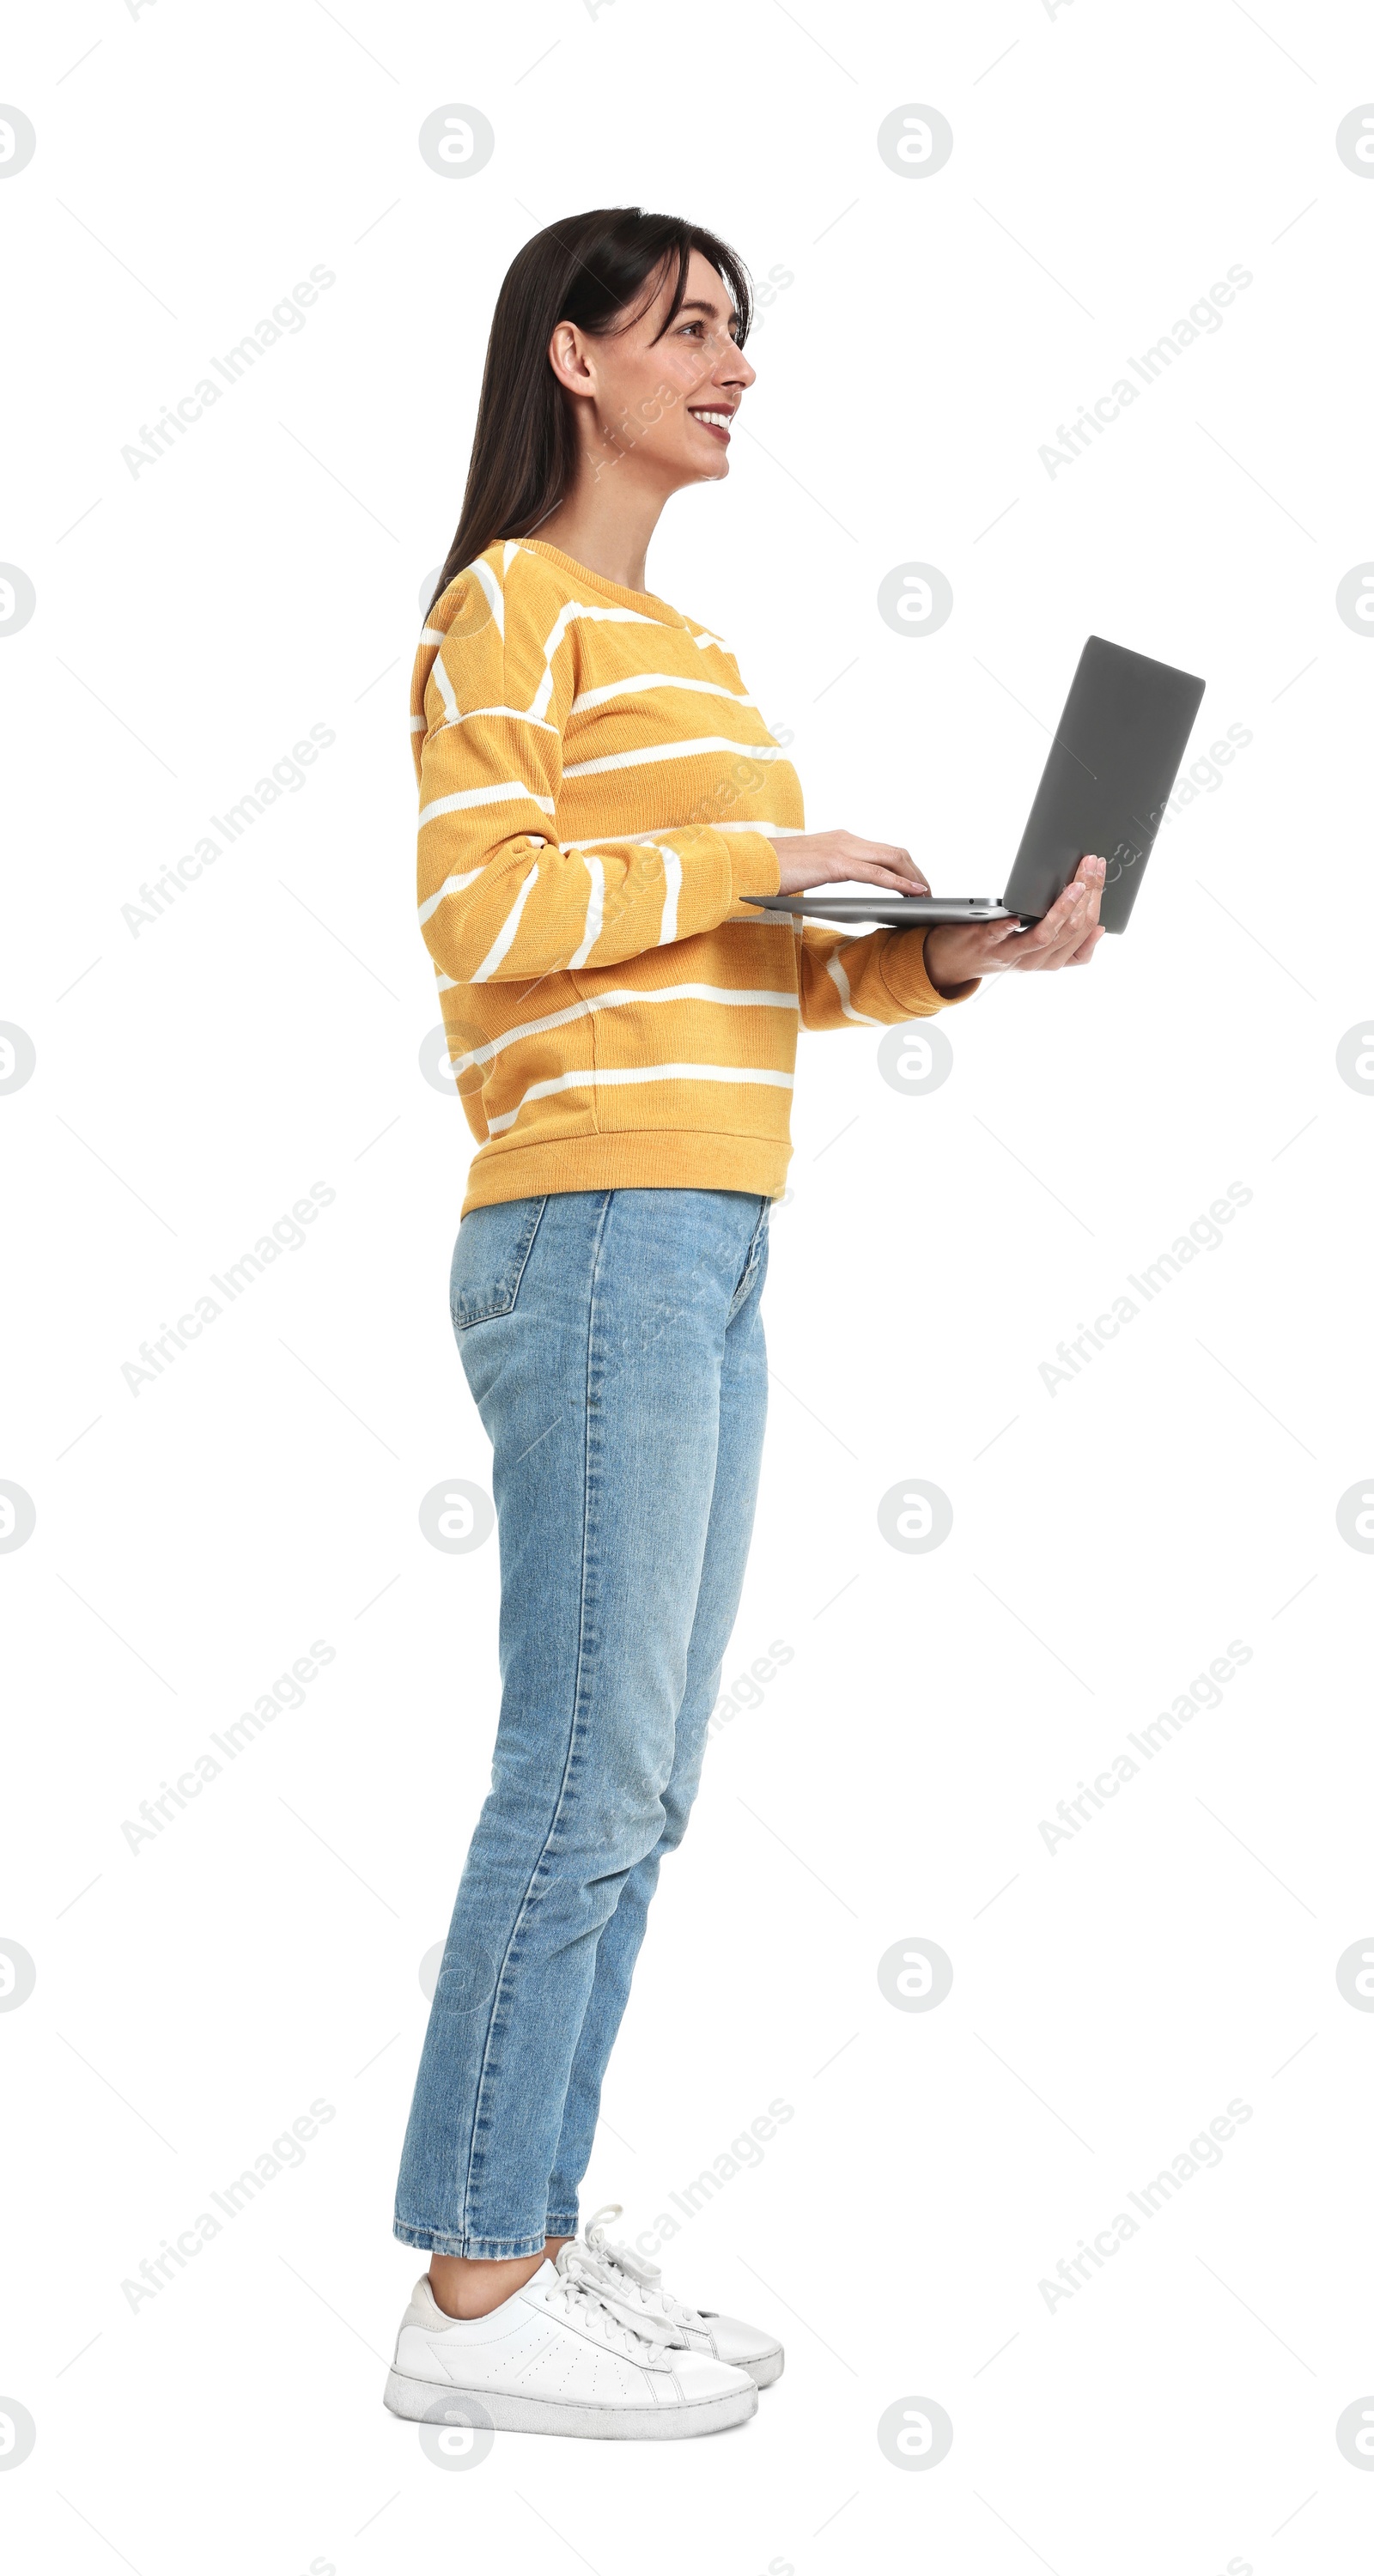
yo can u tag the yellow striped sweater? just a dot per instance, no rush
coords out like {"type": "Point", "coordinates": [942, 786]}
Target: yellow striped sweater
{"type": "Point", "coordinates": [597, 792]}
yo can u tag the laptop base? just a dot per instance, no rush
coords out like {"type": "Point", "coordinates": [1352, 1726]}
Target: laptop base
{"type": "Point", "coordinates": [897, 911]}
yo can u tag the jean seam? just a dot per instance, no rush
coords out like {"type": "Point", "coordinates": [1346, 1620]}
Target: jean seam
{"type": "Point", "coordinates": [528, 1898]}
{"type": "Point", "coordinates": [751, 1264]}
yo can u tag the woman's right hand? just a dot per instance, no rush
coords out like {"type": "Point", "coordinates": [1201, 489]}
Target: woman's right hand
{"type": "Point", "coordinates": [826, 858]}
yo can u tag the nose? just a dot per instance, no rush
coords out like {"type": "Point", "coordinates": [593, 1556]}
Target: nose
{"type": "Point", "coordinates": [733, 368]}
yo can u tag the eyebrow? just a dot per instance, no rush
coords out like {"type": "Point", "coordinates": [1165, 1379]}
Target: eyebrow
{"type": "Point", "coordinates": [698, 304]}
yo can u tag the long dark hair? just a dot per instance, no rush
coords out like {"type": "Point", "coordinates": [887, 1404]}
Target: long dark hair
{"type": "Point", "coordinates": [587, 269]}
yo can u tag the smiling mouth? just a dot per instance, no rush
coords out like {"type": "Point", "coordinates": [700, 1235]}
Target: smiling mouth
{"type": "Point", "coordinates": [717, 422]}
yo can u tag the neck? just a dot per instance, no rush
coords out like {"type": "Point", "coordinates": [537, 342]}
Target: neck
{"type": "Point", "coordinates": [606, 523]}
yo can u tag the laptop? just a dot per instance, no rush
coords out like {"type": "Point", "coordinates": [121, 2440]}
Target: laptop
{"type": "Point", "coordinates": [1116, 752]}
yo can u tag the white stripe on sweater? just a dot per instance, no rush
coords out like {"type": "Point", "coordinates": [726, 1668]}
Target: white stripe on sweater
{"type": "Point", "coordinates": [655, 680]}
{"type": "Point", "coordinates": [451, 885]}
{"type": "Point", "coordinates": [734, 996]}
{"type": "Point", "coordinates": [483, 573]}
{"type": "Point", "coordinates": [672, 888]}
{"type": "Point", "coordinates": [596, 901]}
{"type": "Point", "coordinates": [511, 791]}
{"type": "Point", "coordinates": [840, 981]}
{"type": "Point", "coordinates": [505, 936]}
{"type": "Point", "coordinates": [619, 840]}
{"type": "Point", "coordinates": [638, 1073]}
{"type": "Point", "coordinates": [516, 713]}
{"type": "Point", "coordinates": [770, 831]}
{"type": "Point", "coordinates": [573, 609]}
{"type": "Point", "coordinates": [662, 831]}
{"type": "Point", "coordinates": [673, 751]}
{"type": "Point", "coordinates": [444, 685]}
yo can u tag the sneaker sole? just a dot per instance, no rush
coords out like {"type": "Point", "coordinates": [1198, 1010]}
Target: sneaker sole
{"type": "Point", "coordinates": [415, 2400]}
{"type": "Point", "coordinates": [764, 2372]}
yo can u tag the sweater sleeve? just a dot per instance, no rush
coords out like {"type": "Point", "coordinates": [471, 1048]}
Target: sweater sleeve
{"type": "Point", "coordinates": [876, 982]}
{"type": "Point", "coordinates": [499, 899]}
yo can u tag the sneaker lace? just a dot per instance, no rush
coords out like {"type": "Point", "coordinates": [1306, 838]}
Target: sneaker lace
{"type": "Point", "coordinates": [587, 2290]}
{"type": "Point", "coordinates": [634, 2276]}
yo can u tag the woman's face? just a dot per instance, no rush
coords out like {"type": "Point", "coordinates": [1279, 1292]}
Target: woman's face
{"type": "Point", "coordinates": [660, 406]}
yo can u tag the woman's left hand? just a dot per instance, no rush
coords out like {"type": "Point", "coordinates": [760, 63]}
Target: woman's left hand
{"type": "Point", "coordinates": [956, 951]}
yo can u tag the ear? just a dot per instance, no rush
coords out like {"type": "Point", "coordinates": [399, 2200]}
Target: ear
{"type": "Point", "coordinates": [568, 359]}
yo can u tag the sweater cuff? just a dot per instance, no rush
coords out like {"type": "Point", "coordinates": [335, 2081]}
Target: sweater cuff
{"type": "Point", "coordinates": [903, 969]}
{"type": "Point", "coordinates": [753, 864]}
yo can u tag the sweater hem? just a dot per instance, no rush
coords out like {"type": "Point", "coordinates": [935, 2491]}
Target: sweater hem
{"type": "Point", "coordinates": [673, 1158]}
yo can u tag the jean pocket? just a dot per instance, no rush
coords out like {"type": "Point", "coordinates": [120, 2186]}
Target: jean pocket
{"type": "Point", "coordinates": [489, 1257]}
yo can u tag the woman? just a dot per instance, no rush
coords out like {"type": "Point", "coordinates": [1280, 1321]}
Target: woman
{"type": "Point", "coordinates": [597, 794]}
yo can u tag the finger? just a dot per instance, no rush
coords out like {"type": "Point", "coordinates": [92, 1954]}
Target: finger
{"type": "Point", "coordinates": [1082, 894]}
{"type": "Point", "coordinates": [889, 852]}
{"type": "Point", "coordinates": [1066, 908]}
{"type": "Point", "coordinates": [1078, 902]}
{"type": "Point", "coordinates": [1046, 960]}
{"type": "Point", "coordinates": [1074, 950]}
{"type": "Point", "coordinates": [989, 947]}
{"type": "Point", "coordinates": [1094, 875]}
{"type": "Point", "coordinates": [1086, 886]}
{"type": "Point", "coordinates": [1083, 889]}
{"type": "Point", "coordinates": [1061, 931]}
{"type": "Point", "coordinates": [885, 854]}
{"type": "Point", "coordinates": [872, 872]}
{"type": "Point", "coordinates": [908, 880]}
{"type": "Point", "coordinates": [1070, 929]}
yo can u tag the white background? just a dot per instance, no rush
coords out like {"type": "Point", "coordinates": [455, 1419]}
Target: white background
{"type": "Point", "coordinates": [1109, 1539]}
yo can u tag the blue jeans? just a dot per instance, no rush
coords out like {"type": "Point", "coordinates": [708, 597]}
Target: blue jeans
{"type": "Point", "coordinates": [613, 1342]}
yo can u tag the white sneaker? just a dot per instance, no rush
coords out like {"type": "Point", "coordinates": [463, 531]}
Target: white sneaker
{"type": "Point", "coordinates": [567, 2354]}
{"type": "Point", "coordinates": [728, 2339]}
